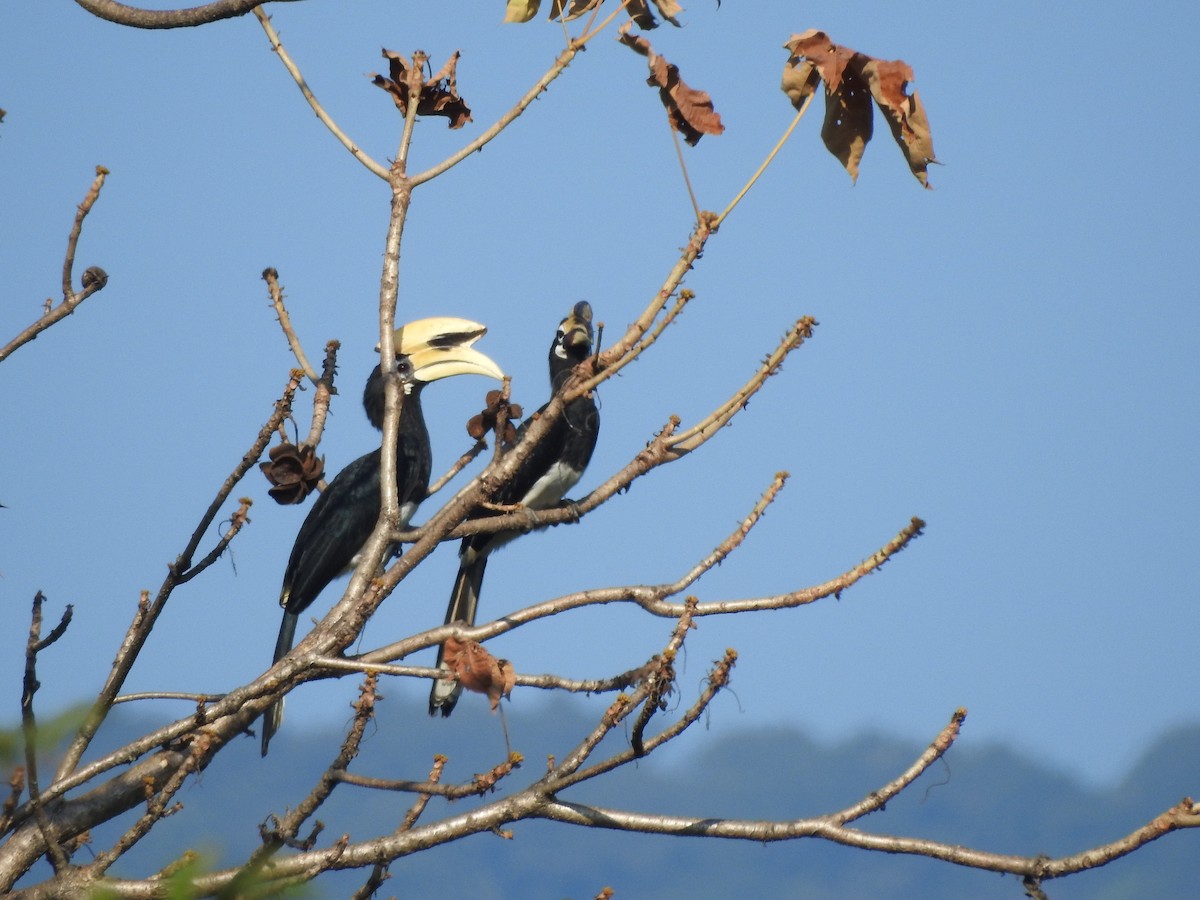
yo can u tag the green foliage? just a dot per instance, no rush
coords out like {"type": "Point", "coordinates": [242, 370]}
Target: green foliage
{"type": "Point", "coordinates": [51, 732]}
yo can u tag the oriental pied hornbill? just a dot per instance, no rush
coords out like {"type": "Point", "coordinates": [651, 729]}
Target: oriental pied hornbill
{"type": "Point", "coordinates": [541, 482]}
{"type": "Point", "coordinates": [345, 514]}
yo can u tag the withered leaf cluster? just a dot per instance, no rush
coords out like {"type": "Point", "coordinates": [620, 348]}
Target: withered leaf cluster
{"type": "Point", "coordinates": [479, 671]}
{"type": "Point", "coordinates": [439, 93]}
{"type": "Point", "coordinates": [293, 471]}
{"type": "Point", "coordinates": [482, 425]}
{"type": "Point", "coordinates": [690, 110]}
{"type": "Point", "coordinates": [567, 10]}
{"type": "Point", "coordinates": [852, 81]}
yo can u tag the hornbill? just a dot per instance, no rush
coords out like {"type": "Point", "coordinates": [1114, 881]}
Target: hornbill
{"type": "Point", "coordinates": [342, 519]}
{"type": "Point", "coordinates": [541, 481]}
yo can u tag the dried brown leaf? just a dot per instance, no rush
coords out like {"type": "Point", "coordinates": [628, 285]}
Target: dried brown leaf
{"type": "Point", "coordinates": [572, 10]}
{"type": "Point", "coordinates": [479, 671]}
{"type": "Point", "coordinates": [689, 110]}
{"type": "Point", "coordinates": [567, 10]}
{"type": "Point", "coordinates": [852, 80]}
{"type": "Point", "coordinates": [905, 113]}
{"type": "Point", "coordinates": [640, 15]}
{"type": "Point", "coordinates": [669, 10]}
{"type": "Point", "coordinates": [799, 81]}
{"type": "Point", "coordinates": [521, 10]}
{"type": "Point", "coordinates": [439, 94]}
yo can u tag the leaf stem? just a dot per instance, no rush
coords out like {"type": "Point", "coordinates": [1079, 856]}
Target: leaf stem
{"type": "Point", "coordinates": [766, 162]}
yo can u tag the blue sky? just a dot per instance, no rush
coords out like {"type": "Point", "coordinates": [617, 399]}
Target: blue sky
{"type": "Point", "coordinates": [1010, 356]}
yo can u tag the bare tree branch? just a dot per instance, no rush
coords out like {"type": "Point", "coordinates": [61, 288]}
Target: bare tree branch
{"type": "Point", "coordinates": [1184, 815]}
{"type": "Point", "coordinates": [665, 447]}
{"type": "Point", "coordinates": [155, 766]}
{"type": "Point", "coordinates": [271, 277]}
{"type": "Point", "coordinates": [480, 785]}
{"type": "Point", "coordinates": [34, 645]}
{"type": "Point", "coordinates": [689, 440]}
{"type": "Point", "coordinates": [147, 613]}
{"type": "Point", "coordinates": [189, 17]}
{"type": "Point", "coordinates": [94, 279]}
{"type": "Point", "coordinates": [167, 695]}
{"type": "Point", "coordinates": [459, 464]}
{"type": "Point", "coordinates": [239, 518]}
{"type": "Point", "coordinates": [574, 46]}
{"type": "Point", "coordinates": [356, 151]}
{"type": "Point", "coordinates": [324, 394]}
{"type": "Point", "coordinates": [156, 808]}
{"type": "Point", "coordinates": [766, 162]}
{"type": "Point", "coordinates": [283, 832]}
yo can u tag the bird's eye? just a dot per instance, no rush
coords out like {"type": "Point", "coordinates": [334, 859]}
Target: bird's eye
{"type": "Point", "coordinates": [403, 367]}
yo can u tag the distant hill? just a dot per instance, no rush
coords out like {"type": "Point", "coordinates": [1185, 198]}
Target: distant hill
{"type": "Point", "coordinates": [984, 796]}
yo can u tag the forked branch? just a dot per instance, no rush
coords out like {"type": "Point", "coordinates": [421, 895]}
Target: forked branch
{"type": "Point", "coordinates": [181, 570]}
{"type": "Point", "coordinates": [327, 120]}
{"type": "Point", "coordinates": [94, 279]}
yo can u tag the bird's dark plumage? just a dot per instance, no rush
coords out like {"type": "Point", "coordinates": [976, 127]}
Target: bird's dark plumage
{"type": "Point", "coordinates": [345, 514]}
{"type": "Point", "coordinates": [541, 482]}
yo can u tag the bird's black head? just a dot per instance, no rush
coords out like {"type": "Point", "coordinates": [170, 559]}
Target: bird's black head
{"type": "Point", "coordinates": [572, 343]}
{"type": "Point", "coordinates": [373, 394]}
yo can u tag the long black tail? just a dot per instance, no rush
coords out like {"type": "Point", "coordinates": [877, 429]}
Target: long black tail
{"type": "Point", "coordinates": [273, 717]}
{"type": "Point", "coordinates": [464, 600]}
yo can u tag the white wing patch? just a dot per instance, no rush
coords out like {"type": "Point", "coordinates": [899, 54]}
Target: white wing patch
{"type": "Point", "coordinates": [551, 487]}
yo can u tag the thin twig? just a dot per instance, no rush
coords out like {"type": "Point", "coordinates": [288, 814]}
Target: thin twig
{"type": "Point", "coordinates": [651, 598]}
{"type": "Point", "coordinates": [685, 295]}
{"type": "Point", "coordinates": [356, 151]}
{"type": "Point", "coordinates": [422, 801]}
{"type": "Point", "coordinates": [649, 690]}
{"type": "Point", "coordinates": [94, 279]}
{"type": "Point", "coordinates": [283, 832]}
{"type": "Point", "coordinates": [324, 393]}
{"type": "Point", "coordinates": [369, 888]}
{"type": "Point", "coordinates": [34, 645]}
{"type": "Point", "coordinates": [766, 162]}
{"type": "Point", "coordinates": [717, 679]}
{"type": "Point", "coordinates": [664, 448]}
{"type": "Point", "coordinates": [633, 342]}
{"type": "Point", "coordinates": [271, 277]}
{"type": "Point", "coordinates": [482, 783]}
{"type": "Point", "coordinates": [609, 595]}
{"type": "Point", "coordinates": [147, 613]}
{"type": "Point", "coordinates": [156, 806]}
{"type": "Point", "coordinates": [85, 207]}
{"type": "Point", "coordinates": [660, 677]}
{"type": "Point", "coordinates": [167, 695]}
{"type": "Point", "coordinates": [545, 682]}
{"type": "Point", "coordinates": [688, 440]}
{"type": "Point", "coordinates": [371, 557]}
{"type": "Point", "coordinates": [239, 518]}
{"type": "Point", "coordinates": [563, 60]}
{"type": "Point", "coordinates": [683, 168]}
{"type": "Point", "coordinates": [878, 799]}
{"type": "Point", "coordinates": [537, 802]}
{"type": "Point", "coordinates": [1184, 815]}
{"type": "Point", "coordinates": [461, 463]}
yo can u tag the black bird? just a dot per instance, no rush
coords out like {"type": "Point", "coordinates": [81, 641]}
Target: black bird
{"type": "Point", "coordinates": [541, 482]}
{"type": "Point", "coordinates": [345, 514]}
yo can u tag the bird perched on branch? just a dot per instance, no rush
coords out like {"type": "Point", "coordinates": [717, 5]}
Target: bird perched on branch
{"type": "Point", "coordinates": [345, 514]}
{"type": "Point", "coordinates": [542, 480]}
